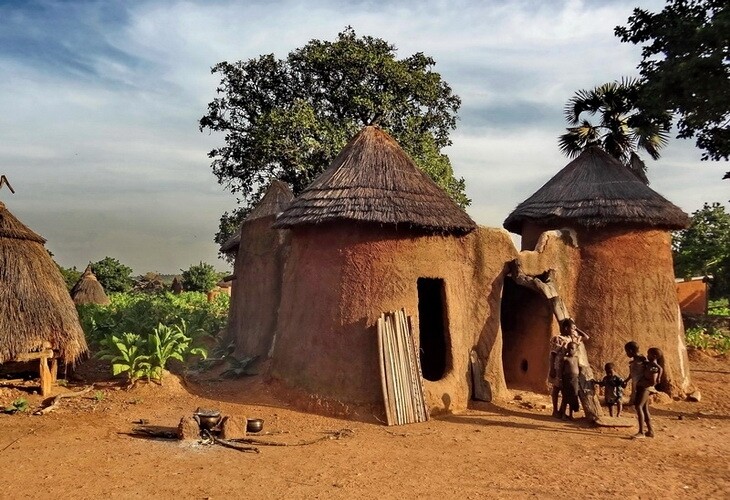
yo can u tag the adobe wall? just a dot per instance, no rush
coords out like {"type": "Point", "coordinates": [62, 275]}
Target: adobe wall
{"type": "Point", "coordinates": [626, 291]}
{"type": "Point", "coordinates": [339, 278]}
{"type": "Point", "coordinates": [528, 321]}
{"type": "Point", "coordinates": [692, 296]}
{"type": "Point", "coordinates": [256, 291]}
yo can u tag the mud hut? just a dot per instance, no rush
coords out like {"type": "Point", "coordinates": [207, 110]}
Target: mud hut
{"type": "Point", "coordinates": [88, 290]}
{"type": "Point", "coordinates": [613, 268]}
{"type": "Point", "coordinates": [36, 311]}
{"type": "Point", "coordinates": [176, 286]}
{"type": "Point", "coordinates": [257, 274]}
{"type": "Point", "coordinates": [374, 233]}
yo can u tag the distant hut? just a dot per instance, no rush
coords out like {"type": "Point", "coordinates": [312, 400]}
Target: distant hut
{"type": "Point", "coordinates": [374, 233]}
{"type": "Point", "coordinates": [88, 290]}
{"type": "Point", "coordinates": [619, 282]}
{"type": "Point", "coordinates": [36, 310]}
{"type": "Point", "coordinates": [257, 274]}
{"type": "Point", "coordinates": [176, 287]}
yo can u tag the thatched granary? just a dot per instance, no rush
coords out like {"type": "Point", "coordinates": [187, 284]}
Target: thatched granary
{"type": "Point", "coordinates": [176, 286]}
{"type": "Point", "coordinates": [258, 271]}
{"type": "Point", "coordinates": [35, 306]}
{"type": "Point", "coordinates": [374, 233]}
{"type": "Point", "coordinates": [88, 290]}
{"type": "Point", "coordinates": [617, 276]}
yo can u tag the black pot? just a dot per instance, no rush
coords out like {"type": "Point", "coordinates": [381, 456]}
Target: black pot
{"type": "Point", "coordinates": [254, 425]}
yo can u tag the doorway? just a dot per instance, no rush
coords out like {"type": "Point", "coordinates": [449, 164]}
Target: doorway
{"type": "Point", "coordinates": [433, 328]}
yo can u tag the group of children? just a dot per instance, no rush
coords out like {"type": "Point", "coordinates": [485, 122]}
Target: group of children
{"type": "Point", "coordinates": [645, 372]}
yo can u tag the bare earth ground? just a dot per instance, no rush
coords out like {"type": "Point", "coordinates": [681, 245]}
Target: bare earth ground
{"type": "Point", "coordinates": [511, 449]}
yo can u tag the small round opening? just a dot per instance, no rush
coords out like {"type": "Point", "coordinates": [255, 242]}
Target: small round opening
{"type": "Point", "coordinates": [523, 366]}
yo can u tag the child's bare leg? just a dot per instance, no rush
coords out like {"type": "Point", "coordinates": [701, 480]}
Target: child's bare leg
{"type": "Point", "coordinates": [647, 419]}
{"type": "Point", "coordinates": [554, 395]}
{"type": "Point", "coordinates": [641, 401]}
{"type": "Point", "coordinates": [619, 406]}
{"type": "Point", "coordinates": [610, 410]}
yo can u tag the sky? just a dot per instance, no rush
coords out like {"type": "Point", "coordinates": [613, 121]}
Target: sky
{"type": "Point", "coordinates": [100, 102]}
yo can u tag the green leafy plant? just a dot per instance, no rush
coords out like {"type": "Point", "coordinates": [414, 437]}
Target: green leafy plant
{"type": "Point", "coordinates": [167, 343]}
{"type": "Point", "coordinates": [99, 396]}
{"type": "Point", "coordinates": [127, 354]}
{"type": "Point", "coordinates": [701, 337]}
{"type": "Point", "coordinates": [19, 405]}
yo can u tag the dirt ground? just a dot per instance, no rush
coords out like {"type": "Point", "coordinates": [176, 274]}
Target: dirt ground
{"type": "Point", "coordinates": [512, 449]}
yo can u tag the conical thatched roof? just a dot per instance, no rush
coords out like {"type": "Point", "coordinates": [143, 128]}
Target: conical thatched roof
{"type": "Point", "coordinates": [374, 180]}
{"type": "Point", "coordinates": [277, 198]}
{"type": "Point", "coordinates": [35, 306]}
{"type": "Point", "coordinates": [596, 190]}
{"type": "Point", "coordinates": [88, 290]}
{"type": "Point", "coordinates": [176, 287]}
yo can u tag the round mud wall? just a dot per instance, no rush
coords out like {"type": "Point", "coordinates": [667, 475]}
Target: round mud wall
{"type": "Point", "coordinates": [256, 291]}
{"type": "Point", "coordinates": [339, 278]}
{"type": "Point", "coordinates": [626, 291]}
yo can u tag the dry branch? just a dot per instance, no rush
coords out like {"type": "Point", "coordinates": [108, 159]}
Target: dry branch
{"type": "Point", "coordinates": [57, 399]}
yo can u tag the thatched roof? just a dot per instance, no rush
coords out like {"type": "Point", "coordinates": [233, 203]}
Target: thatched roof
{"type": "Point", "coordinates": [35, 306]}
{"type": "Point", "coordinates": [373, 180]}
{"type": "Point", "coordinates": [176, 286]}
{"type": "Point", "coordinates": [278, 196]}
{"type": "Point", "coordinates": [596, 190]}
{"type": "Point", "coordinates": [88, 290]}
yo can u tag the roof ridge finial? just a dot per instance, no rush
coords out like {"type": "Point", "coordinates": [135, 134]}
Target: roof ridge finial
{"type": "Point", "coordinates": [4, 181]}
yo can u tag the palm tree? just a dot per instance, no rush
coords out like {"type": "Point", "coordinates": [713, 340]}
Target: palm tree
{"type": "Point", "coordinates": [622, 129]}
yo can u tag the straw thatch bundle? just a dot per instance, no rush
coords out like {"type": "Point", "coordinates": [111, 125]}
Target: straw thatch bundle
{"type": "Point", "coordinates": [35, 306]}
{"type": "Point", "coordinates": [374, 180]}
{"type": "Point", "coordinates": [88, 290]}
{"type": "Point", "coordinates": [277, 198]}
{"type": "Point", "coordinates": [596, 190]}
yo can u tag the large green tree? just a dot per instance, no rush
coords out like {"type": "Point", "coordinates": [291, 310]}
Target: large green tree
{"type": "Point", "coordinates": [684, 68]}
{"type": "Point", "coordinates": [618, 126]}
{"type": "Point", "coordinates": [287, 119]}
{"type": "Point", "coordinates": [200, 278]}
{"type": "Point", "coordinates": [704, 248]}
{"type": "Point", "coordinates": [113, 275]}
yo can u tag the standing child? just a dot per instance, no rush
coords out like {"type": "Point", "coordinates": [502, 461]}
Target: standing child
{"type": "Point", "coordinates": [645, 374]}
{"type": "Point", "coordinates": [613, 389]}
{"type": "Point", "coordinates": [569, 377]}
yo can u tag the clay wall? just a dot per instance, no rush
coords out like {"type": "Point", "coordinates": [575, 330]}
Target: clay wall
{"type": "Point", "coordinates": [692, 296]}
{"type": "Point", "coordinates": [339, 278]}
{"type": "Point", "coordinates": [256, 291]}
{"type": "Point", "coordinates": [626, 291]}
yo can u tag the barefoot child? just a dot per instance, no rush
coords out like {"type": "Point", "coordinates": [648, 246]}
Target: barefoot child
{"type": "Point", "coordinates": [569, 381]}
{"type": "Point", "coordinates": [645, 374]}
{"type": "Point", "coordinates": [613, 390]}
{"type": "Point", "coordinates": [558, 345]}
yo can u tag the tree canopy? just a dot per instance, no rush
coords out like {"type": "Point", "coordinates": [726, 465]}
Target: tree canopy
{"type": "Point", "coordinates": [287, 119]}
{"type": "Point", "coordinates": [113, 275]}
{"type": "Point", "coordinates": [200, 278]}
{"type": "Point", "coordinates": [621, 129]}
{"type": "Point", "coordinates": [684, 69]}
{"type": "Point", "coordinates": [704, 248]}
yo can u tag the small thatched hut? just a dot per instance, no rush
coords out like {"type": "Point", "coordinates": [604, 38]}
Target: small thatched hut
{"type": "Point", "coordinates": [176, 286]}
{"type": "Point", "coordinates": [257, 274]}
{"type": "Point", "coordinates": [617, 276]}
{"type": "Point", "coordinates": [374, 233]}
{"type": "Point", "coordinates": [36, 309]}
{"type": "Point", "coordinates": [88, 290]}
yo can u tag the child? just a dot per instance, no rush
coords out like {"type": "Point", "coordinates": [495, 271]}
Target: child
{"type": "Point", "coordinates": [613, 389]}
{"type": "Point", "coordinates": [645, 374]}
{"type": "Point", "coordinates": [657, 356]}
{"type": "Point", "coordinates": [558, 344]}
{"type": "Point", "coordinates": [569, 381]}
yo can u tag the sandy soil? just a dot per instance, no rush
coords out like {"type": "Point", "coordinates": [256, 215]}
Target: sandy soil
{"type": "Point", "coordinates": [513, 449]}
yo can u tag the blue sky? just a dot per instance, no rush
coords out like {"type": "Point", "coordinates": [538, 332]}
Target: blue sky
{"type": "Point", "coordinates": [99, 103]}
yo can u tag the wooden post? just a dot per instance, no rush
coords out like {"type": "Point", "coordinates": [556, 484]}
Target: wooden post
{"type": "Point", "coordinates": [46, 377]}
{"type": "Point", "coordinates": [54, 370]}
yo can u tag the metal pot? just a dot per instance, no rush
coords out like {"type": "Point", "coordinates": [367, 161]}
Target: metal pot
{"type": "Point", "coordinates": [254, 425]}
{"type": "Point", "coordinates": [207, 419]}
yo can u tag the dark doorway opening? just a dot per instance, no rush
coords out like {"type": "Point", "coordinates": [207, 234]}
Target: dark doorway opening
{"type": "Point", "coordinates": [433, 328]}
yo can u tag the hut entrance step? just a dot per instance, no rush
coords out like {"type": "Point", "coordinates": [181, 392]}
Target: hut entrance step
{"type": "Point", "coordinates": [400, 370]}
